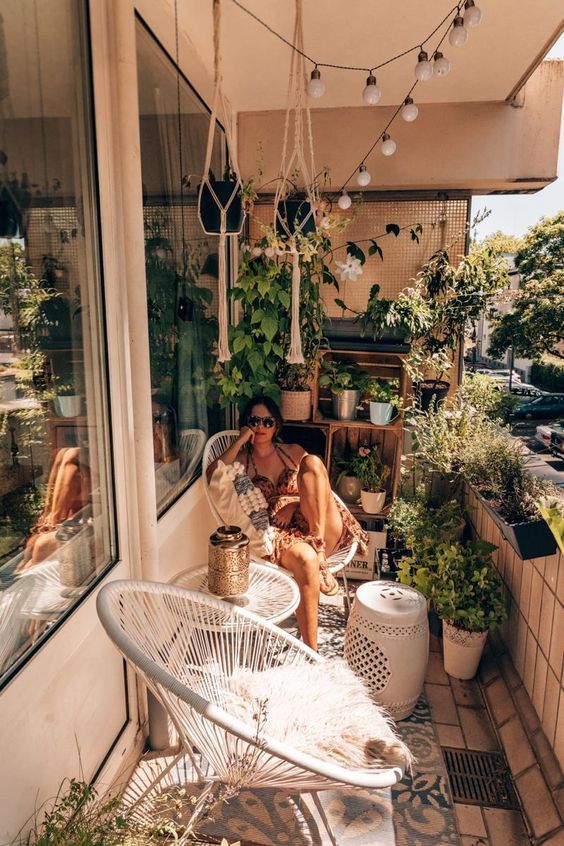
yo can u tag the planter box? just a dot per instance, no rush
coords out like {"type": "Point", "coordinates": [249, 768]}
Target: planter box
{"type": "Point", "coordinates": [345, 333]}
{"type": "Point", "coordinates": [532, 539]}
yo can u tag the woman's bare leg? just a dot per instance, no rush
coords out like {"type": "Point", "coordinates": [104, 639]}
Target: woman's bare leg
{"type": "Point", "coordinates": [303, 562]}
{"type": "Point", "coordinates": [317, 502]}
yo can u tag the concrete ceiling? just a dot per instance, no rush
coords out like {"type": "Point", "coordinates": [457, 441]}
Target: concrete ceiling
{"type": "Point", "coordinates": [513, 36]}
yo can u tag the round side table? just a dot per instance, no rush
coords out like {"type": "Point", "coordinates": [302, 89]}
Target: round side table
{"type": "Point", "coordinates": [272, 594]}
{"type": "Point", "coordinates": [387, 643]}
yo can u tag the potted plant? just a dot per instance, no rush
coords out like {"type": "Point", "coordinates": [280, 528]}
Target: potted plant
{"type": "Point", "coordinates": [460, 582]}
{"type": "Point", "coordinates": [293, 216]}
{"type": "Point", "coordinates": [552, 510]}
{"type": "Point", "coordinates": [367, 466]}
{"type": "Point", "coordinates": [295, 393]}
{"type": "Point", "coordinates": [382, 396]}
{"type": "Point", "coordinates": [347, 484]}
{"type": "Point", "coordinates": [343, 380]}
{"type": "Point", "coordinates": [67, 400]}
{"type": "Point", "coordinates": [221, 194]}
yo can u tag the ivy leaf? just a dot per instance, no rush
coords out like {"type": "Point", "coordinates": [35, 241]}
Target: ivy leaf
{"type": "Point", "coordinates": [263, 286]}
{"type": "Point", "coordinates": [355, 251]}
{"type": "Point", "coordinates": [257, 316]}
{"type": "Point", "coordinates": [254, 358]}
{"type": "Point", "coordinates": [269, 326]}
{"type": "Point", "coordinates": [341, 304]}
{"type": "Point", "coordinates": [239, 343]}
{"type": "Point", "coordinates": [375, 248]}
{"type": "Point", "coordinates": [329, 278]}
{"type": "Point", "coordinates": [284, 298]}
{"type": "Point", "coordinates": [414, 235]}
{"type": "Point", "coordinates": [278, 350]}
{"type": "Point", "coordinates": [267, 347]}
{"type": "Point", "coordinates": [392, 228]}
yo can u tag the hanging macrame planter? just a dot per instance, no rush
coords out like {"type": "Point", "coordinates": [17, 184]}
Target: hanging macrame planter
{"type": "Point", "coordinates": [220, 208]}
{"type": "Point", "coordinates": [295, 218]}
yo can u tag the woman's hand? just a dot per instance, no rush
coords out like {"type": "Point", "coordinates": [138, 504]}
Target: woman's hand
{"type": "Point", "coordinates": [284, 517]}
{"type": "Point", "coordinates": [246, 436]}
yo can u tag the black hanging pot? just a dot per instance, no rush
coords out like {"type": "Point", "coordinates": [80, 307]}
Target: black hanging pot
{"type": "Point", "coordinates": [210, 211]}
{"type": "Point", "coordinates": [294, 213]}
{"type": "Point", "coordinates": [10, 217]}
{"type": "Point", "coordinates": [432, 392]}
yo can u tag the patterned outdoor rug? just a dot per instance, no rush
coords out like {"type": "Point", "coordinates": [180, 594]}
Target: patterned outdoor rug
{"type": "Point", "coordinates": [416, 812]}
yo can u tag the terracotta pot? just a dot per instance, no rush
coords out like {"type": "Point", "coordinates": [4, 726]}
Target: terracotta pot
{"type": "Point", "coordinates": [349, 488]}
{"type": "Point", "coordinates": [373, 502]}
{"type": "Point", "coordinates": [462, 651]}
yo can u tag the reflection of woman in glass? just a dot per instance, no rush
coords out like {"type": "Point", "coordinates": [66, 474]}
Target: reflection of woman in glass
{"type": "Point", "coordinates": [68, 491]}
{"type": "Point", "coordinates": [308, 522]}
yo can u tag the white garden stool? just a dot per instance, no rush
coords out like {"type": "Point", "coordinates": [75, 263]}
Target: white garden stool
{"type": "Point", "coordinates": [387, 643]}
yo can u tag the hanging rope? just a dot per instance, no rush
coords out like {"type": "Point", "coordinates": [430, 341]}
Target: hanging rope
{"type": "Point", "coordinates": [219, 106]}
{"type": "Point", "coordinates": [297, 160]}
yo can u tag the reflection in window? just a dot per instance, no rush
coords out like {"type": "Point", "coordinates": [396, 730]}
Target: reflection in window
{"type": "Point", "coordinates": [181, 266]}
{"type": "Point", "coordinates": [55, 529]}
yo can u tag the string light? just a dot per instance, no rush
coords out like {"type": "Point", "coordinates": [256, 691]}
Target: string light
{"type": "Point", "coordinates": [363, 177]}
{"type": "Point", "coordinates": [371, 93]}
{"type": "Point", "coordinates": [423, 69]}
{"type": "Point", "coordinates": [409, 110]}
{"type": "Point", "coordinates": [316, 87]}
{"type": "Point", "coordinates": [388, 146]}
{"type": "Point", "coordinates": [458, 36]}
{"type": "Point", "coordinates": [344, 202]}
{"type": "Point", "coordinates": [472, 14]}
{"type": "Point", "coordinates": [441, 65]}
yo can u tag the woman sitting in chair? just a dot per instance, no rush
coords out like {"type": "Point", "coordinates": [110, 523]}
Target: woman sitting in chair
{"type": "Point", "coordinates": [309, 524]}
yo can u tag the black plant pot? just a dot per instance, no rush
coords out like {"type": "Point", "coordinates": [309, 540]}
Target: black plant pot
{"type": "Point", "coordinates": [210, 212]}
{"type": "Point", "coordinates": [10, 219]}
{"type": "Point", "coordinates": [346, 333]}
{"type": "Point", "coordinates": [432, 392]}
{"type": "Point", "coordinates": [532, 539]}
{"type": "Point", "coordinates": [529, 540]}
{"type": "Point", "coordinates": [293, 213]}
{"type": "Point", "coordinates": [435, 623]}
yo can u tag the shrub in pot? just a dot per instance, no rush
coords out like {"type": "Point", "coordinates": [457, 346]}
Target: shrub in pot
{"type": "Point", "coordinates": [382, 396]}
{"type": "Point", "coordinates": [295, 393]}
{"type": "Point", "coordinates": [462, 585]}
{"type": "Point", "coordinates": [367, 466]}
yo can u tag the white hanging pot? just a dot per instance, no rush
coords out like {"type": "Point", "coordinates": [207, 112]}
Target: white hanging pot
{"type": "Point", "coordinates": [380, 413]}
{"type": "Point", "coordinates": [372, 501]}
{"type": "Point", "coordinates": [462, 651]}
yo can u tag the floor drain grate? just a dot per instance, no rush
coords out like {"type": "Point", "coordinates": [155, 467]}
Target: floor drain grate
{"type": "Point", "coordinates": [480, 778]}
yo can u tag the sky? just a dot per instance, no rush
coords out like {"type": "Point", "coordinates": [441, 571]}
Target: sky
{"type": "Point", "coordinates": [515, 213]}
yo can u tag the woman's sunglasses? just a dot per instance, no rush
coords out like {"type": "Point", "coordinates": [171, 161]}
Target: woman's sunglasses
{"type": "Point", "coordinates": [267, 422]}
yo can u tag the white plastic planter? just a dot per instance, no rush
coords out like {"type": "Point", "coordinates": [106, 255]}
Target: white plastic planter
{"type": "Point", "coordinates": [372, 502]}
{"type": "Point", "coordinates": [68, 406]}
{"type": "Point", "coordinates": [462, 651]}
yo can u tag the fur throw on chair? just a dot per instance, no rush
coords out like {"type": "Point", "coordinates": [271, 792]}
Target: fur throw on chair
{"type": "Point", "coordinates": [323, 709]}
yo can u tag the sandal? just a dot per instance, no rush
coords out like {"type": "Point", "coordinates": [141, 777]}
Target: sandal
{"type": "Point", "coordinates": [328, 584]}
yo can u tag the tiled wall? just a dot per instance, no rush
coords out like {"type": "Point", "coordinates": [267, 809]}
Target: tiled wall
{"type": "Point", "coordinates": [534, 632]}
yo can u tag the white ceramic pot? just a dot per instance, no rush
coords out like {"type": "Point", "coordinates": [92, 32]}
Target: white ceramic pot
{"type": "Point", "coordinates": [68, 406]}
{"type": "Point", "coordinates": [462, 651]}
{"type": "Point", "coordinates": [380, 413]}
{"type": "Point", "coordinates": [349, 488]}
{"type": "Point", "coordinates": [295, 405]}
{"type": "Point", "coordinates": [372, 502]}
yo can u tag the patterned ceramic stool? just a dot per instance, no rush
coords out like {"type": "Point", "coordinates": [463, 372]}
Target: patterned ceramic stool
{"type": "Point", "coordinates": [387, 643]}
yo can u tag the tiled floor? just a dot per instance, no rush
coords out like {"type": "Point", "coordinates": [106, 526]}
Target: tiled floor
{"type": "Point", "coordinates": [493, 712]}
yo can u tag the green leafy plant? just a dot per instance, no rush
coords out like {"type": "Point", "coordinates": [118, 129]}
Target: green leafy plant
{"type": "Point", "coordinates": [415, 522]}
{"type": "Point", "coordinates": [481, 393]}
{"type": "Point", "coordinates": [381, 390]}
{"type": "Point", "coordinates": [552, 510]}
{"type": "Point", "coordinates": [459, 582]}
{"type": "Point", "coordinates": [367, 466]}
{"type": "Point", "coordinates": [339, 376]}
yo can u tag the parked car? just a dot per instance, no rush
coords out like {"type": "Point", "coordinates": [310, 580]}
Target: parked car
{"type": "Point", "coordinates": [543, 435]}
{"type": "Point", "coordinates": [522, 390]}
{"type": "Point", "coordinates": [557, 440]}
{"type": "Point", "coordinates": [547, 405]}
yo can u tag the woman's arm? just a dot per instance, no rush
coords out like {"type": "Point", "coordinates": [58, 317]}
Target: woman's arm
{"type": "Point", "coordinates": [246, 436]}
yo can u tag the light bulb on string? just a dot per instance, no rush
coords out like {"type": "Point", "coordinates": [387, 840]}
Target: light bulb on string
{"type": "Point", "coordinates": [472, 14]}
{"type": "Point", "coordinates": [371, 93]}
{"type": "Point", "coordinates": [423, 69]}
{"type": "Point", "coordinates": [409, 110]}
{"type": "Point", "coordinates": [458, 36]}
{"type": "Point", "coordinates": [363, 177]}
{"type": "Point", "coordinates": [388, 146]}
{"type": "Point", "coordinates": [441, 65]}
{"type": "Point", "coordinates": [344, 202]}
{"type": "Point", "coordinates": [316, 87]}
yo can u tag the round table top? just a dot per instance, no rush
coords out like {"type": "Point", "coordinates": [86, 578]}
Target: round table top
{"type": "Point", "coordinates": [272, 593]}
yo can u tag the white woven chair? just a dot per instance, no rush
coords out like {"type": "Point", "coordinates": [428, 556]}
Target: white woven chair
{"type": "Point", "coordinates": [215, 447]}
{"type": "Point", "coordinates": [190, 447]}
{"type": "Point", "coordinates": [186, 645]}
